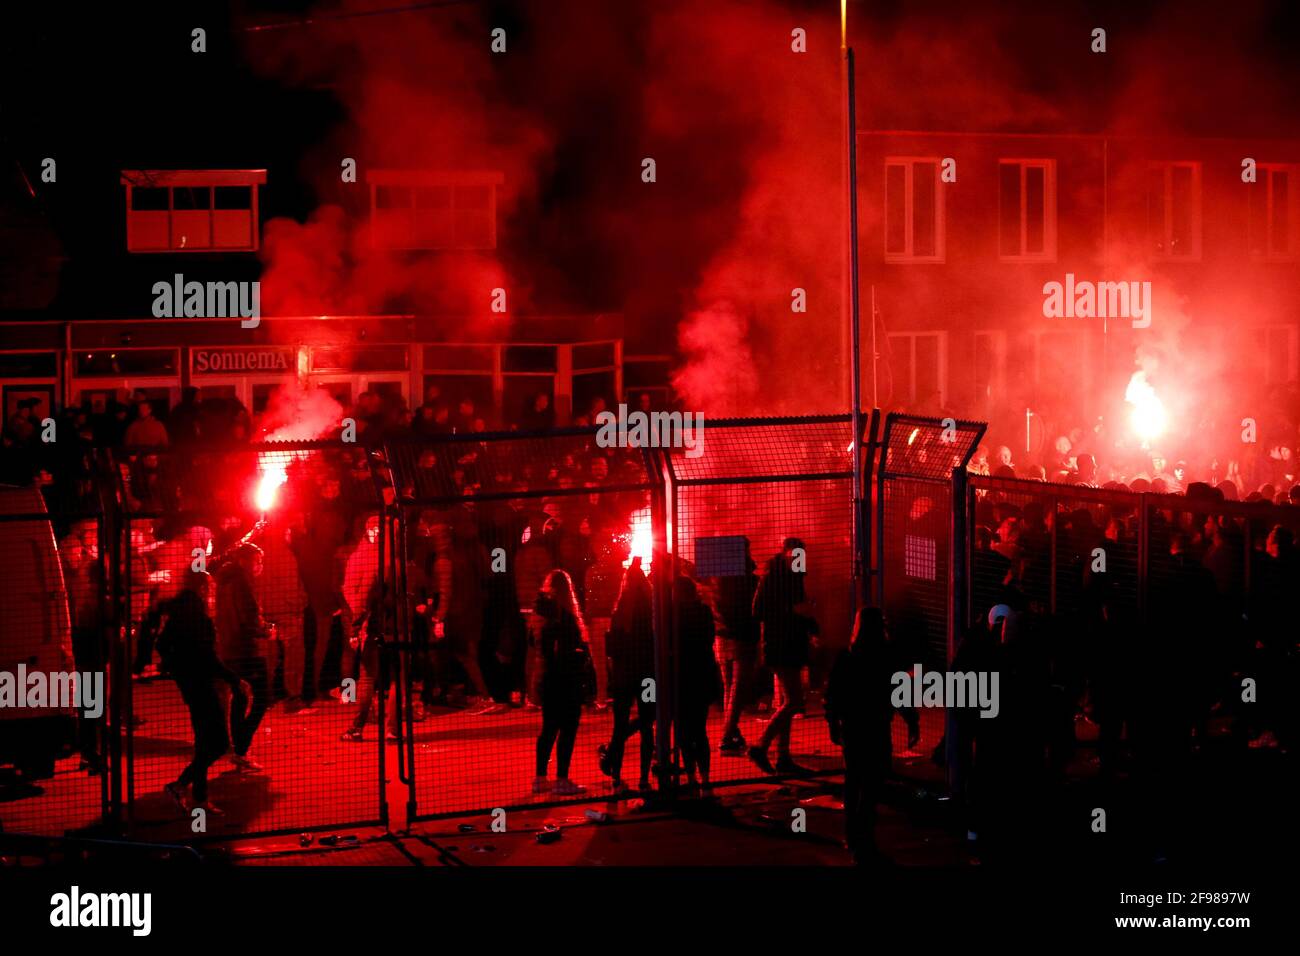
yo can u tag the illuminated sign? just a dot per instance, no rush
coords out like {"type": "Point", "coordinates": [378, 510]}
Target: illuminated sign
{"type": "Point", "coordinates": [218, 361]}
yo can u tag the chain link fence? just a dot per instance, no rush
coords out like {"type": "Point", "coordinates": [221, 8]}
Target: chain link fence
{"type": "Point", "coordinates": [54, 650]}
{"type": "Point", "coordinates": [252, 583]}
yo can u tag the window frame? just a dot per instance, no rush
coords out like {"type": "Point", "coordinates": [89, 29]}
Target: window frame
{"type": "Point", "coordinates": [911, 398]}
{"type": "Point", "coordinates": [1049, 210]}
{"type": "Point", "coordinates": [1168, 167]}
{"type": "Point", "coordinates": [412, 182]}
{"type": "Point", "coordinates": [909, 163]}
{"type": "Point", "coordinates": [1292, 351]}
{"type": "Point", "coordinates": [209, 179]}
{"type": "Point", "coordinates": [1269, 254]}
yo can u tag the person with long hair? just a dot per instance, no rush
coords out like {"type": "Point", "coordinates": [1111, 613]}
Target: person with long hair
{"type": "Point", "coordinates": [699, 682]}
{"type": "Point", "coordinates": [563, 640]}
{"type": "Point", "coordinates": [630, 646]}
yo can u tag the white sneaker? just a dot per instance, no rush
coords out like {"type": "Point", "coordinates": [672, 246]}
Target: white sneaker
{"type": "Point", "coordinates": [566, 787]}
{"type": "Point", "coordinates": [245, 765]}
{"type": "Point", "coordinates": [541, 784]}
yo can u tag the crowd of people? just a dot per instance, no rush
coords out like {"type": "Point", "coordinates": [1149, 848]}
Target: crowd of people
{"type": "Point", "coordinates": [60, 460]}
{"type": "Point", "coordinates": [1272, 477]}
{"type": "Point", "coordinates": [1159, 645]}
{"type": "Point", "coordinates": [521, 588]}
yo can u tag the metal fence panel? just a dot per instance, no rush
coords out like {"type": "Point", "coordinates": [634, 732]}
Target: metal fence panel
{"type": "Point", "coordinates": [760, 489]}
{"type": "Point", "coordinates": [487, 521]}
{"type": "Point", "coordinates": [291, 539]}
{"type": "Point", "coordinates": [54, 650]}
{"type": "Point", "coordinates": [1184, 595]}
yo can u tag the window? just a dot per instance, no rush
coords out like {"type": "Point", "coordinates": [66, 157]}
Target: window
{"type": "Point", "coordinates": [430, 210]}
{"type": "Point", "coordinates": [913, 210]}
{"type": "Point", "coordinates": [1174, 210]}
{"type": "Point", "coordinates": [1276, 352]}
{"type": "Point", "coordinates": [917, 364]}
{"type": "Point", "coordinates": [1273, 206]}
{"type": "Point", "coordinates": [1060, 365]}
{"type": "Point", "coordinates": [132, 362]}
{"type": "Point", "coordinates": [1027, 210]}
{"type": "Point", "coordinates": [986, 367]}
{"type": "Point", "coordinates": [374, 358]}
{"type": "Point", "coordinates": [192, 210]}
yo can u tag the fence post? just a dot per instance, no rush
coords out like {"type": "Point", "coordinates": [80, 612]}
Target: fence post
{"type": "Point", "coordinates": [880, 515]}
{"type": "Point", "coordinates": [862, 523]}
{"type": "Point", "coordinates": [663, 564]}
{"type": "Point", "coordinates": [1144, 555]}
{"type": "Point", "coordinates": [1054, 503]}
{"type": "Point", "coordinates": [957, 580]}
{"type": "Point", "coordinates": [111, 633]}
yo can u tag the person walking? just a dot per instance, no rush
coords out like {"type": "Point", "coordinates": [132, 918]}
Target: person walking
{"type": "Point", "coordinates": [240, 633]}
{"type": "Point", "coordinates": [187, 646]}
{"type": "Point", "coordinates": [786, 639]}
{"type": "Point", "coordinates": [699, 684]}
{"type": "Point", "coordinates": [630, 646]}
{"type": "Point", "coordinates": [563, 643]}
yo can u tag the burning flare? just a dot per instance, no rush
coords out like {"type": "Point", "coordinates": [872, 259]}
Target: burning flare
{"type": "Point", "coordinates": [273, 476]}
{"type": "Point", "coordinates": [1148, 416]}
{"type": "Point", "coordinates": [641, 540]}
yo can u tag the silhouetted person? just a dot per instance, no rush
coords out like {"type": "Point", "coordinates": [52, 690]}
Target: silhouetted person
{"type": "Point", "coordinates": [564, 648]}
{"type": "Point", "coordinates": [183, 421]}
{"type": "Point", "coordinates": [538, 415]}
{"type": "Point", "coordinates": [698, 684]}
{"type": "Point", "coordinates": [629, 644]}
{"type": "Point", "coordinates": [363, 592]}
{"type": "Point", "coordinates": [786, 637]}
{"type": "Point", "coordinates": [240, 636]}
{"type": "Point", "coordinates": [187, 647]}
{"type": "Point", "coordinates": [860, 713]}
{"type": "Point", "coordinates": [736, 648]}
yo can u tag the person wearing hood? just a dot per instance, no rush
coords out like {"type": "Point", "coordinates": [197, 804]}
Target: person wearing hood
{"type": "Point", "coordinates": [187, 646]}
{"type": "Point", "coordinates": [240, 631]}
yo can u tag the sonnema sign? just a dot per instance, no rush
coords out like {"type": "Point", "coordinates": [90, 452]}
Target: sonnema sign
{"type": "Point", "coordinates": [243, 360]}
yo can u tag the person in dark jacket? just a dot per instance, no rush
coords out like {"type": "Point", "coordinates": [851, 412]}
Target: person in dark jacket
{"type": "Point", "coordinates": [787, 635]}
{"type": "Point", "coordinates": [736, 648]}
{"type": "Point", "coordinates": [860, 712]}
{"type": "Point", "coordinates": [563, 643]}
{"type": "Point", "coordinates": [187, 646]}
{"type": "Point", "coordinates": [316, 545]}
{"type": "Point", "coordinates": [629, 644]}
{"type": "Point", "coordinates": [240, 633]}
{"type": "Point", "coordinates": [363, 590]}
{"type": "Point", "coordinates": [698, 683]}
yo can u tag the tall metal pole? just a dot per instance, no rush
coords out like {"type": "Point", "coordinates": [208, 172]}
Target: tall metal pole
{"type": "Point", "coordinates": [855, 383]}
